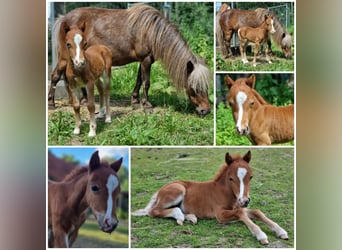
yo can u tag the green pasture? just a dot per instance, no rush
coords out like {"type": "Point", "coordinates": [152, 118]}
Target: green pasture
{"type": "Point", "coordinates": [272, 191]}
{"type": "Point", "coordinates": [90, 236]}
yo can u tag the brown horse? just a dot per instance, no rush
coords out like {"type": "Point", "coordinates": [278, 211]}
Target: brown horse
{"type": "Point", "coordinates": [224, 198]}
{"type": "Point", "coordinates": [96, 186]}
{"type": "Point", "coordinates": [230, 20]}
{"type": "Point", "coordinates": [141, 34]}
{"type": "Point", "coordinates": [258, 36]}
{"type": "Point", "coordinates": [262, 123]}
{"type": "Point", "coordinates": [88, 66]}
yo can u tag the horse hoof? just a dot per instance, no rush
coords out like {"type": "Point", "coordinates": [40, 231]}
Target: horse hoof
{"type": "Point", "coordinates": [264, 242]}
{"type": "Point", "coordinates": [180, 222]}
{"type": "Point", "coordinates": [269, 62]}
{"type": "Point", "coordinates": [108, 120]}
{"type": "Point", "coordinates": [254, 65]}
{"type": "Point", "coordinates": [284, 237]}
{"type": "Point", "coordinates": [76, 131]}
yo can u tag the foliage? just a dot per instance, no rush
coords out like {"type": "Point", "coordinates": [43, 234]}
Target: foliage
{"type": "Point", "coordinates": [271, 191]}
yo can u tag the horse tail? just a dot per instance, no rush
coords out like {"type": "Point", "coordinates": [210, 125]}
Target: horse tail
{"type": "Point", "coordinates": [147, 209]}
{"type": "Point", "coordinates": [55, 36]}
{"type": "Point", "coordinates": [219, 33]}
{"type": "Point", "coordinates": [167, 45]}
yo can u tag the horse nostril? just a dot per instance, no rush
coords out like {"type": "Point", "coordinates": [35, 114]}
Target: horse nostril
{"type": "Point", "coordinates": [203, 112]}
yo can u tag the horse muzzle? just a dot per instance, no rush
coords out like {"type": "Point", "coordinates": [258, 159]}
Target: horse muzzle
{"type": "Point", "coordinates": [202, 112]}
{"type": "Point", "coordinates": [244, 202]}
{"type": "Point", "coordinates": [108, 226]}
{"type": "Point", "coordinates": [242, 131]}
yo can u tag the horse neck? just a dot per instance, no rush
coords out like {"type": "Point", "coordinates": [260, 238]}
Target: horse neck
{"type": "Point", "coordinates": [76, 196]}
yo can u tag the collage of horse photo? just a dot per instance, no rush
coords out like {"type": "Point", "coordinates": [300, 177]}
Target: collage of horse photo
{"type": "Point", "coordinates": [170, 124]}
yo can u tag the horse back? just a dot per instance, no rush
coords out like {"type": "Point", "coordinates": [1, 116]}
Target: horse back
{"type": "Point", "coordinates": [237, 18]}
{"type": "Point", "coordinates": [204, 198]}
{"type": "Point", "coordinates": [282, 127]}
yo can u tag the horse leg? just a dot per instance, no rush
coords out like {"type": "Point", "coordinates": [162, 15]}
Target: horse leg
{"type": "Point", "coordinates": [256, 51]}
{"type": "Point", "coordinates": [243, 45]}
{"type": "Point", "coordinates": [169, 196]}
{"type": "Point", "coordinates": [225, 216]}
{"type": "Point", "coordinates": [262, 139]}
{"type": "Point", "coordinates": [227, 37]}
{"type": "Point", "coordinates": [135, 93]}
{"type": "Point", "coordinates": [145, 77]}
{"type": "Point", "coordinates": [76, 106]}
{"type": "Point", "coordinates": [106, 81]}
{"type": "Point", "coordinates": [267, 54]}
{"type": "Point", "coordinates": [60, 237]}
{"type": "Point", "coordinates": [91, 109]}
{"type": "Point", "coordinates": [55, 77]}
{"type": "Point", "coordinates": [257, 214]}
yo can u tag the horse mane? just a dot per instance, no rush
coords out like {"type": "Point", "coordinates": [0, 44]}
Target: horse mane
{"type": "Point", "coordinates": [77, 172]}
{"type": "Point", "coordinates": [168, 45]}
{"type": "Point", "coordinates": [278, 35]}
{"type": "Point", "coordinates": [259, 97]}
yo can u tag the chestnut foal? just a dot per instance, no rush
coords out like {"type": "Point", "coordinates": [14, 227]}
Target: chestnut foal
{"type": "Point", "coordinates": [224, 198]}
{"type": "Point", "coordinates": [87, 67]}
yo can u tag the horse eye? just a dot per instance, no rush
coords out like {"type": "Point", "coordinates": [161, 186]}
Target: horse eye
{"type": "Point", "coordinates": [231, 179]}
{"type": "Point", "coordinates": [252, 104]}
{"type": "Point", "coordinates": [94, 188]}
{"type": "Point", "coordinates": [250, 178]}
{"type": "Point", "coordinates": [68, 45]}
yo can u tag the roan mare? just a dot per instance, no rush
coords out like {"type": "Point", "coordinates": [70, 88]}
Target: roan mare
{"type": "Point", "coordinates": [224, 198]}
{"type": "Point", "coordinates": [258, 36]}
{"type": "Point", "coordinates": [229, 21]}
{"type": "Point", "coordinates": [97, 187]}
{"type": "Point", "coordinates": [88, 66]}
{"type": "Point", "coordinates": [261, 122]}
{"type": "Point", "coordinates": [142, 34]}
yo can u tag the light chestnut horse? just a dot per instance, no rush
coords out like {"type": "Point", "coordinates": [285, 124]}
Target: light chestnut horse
{"type": "Point", "coordinates": [257, 36]}
{"type": "Point", "coordinates": [224, 198]}
{"type": "Point", "coordinates": [88, 66]}
{"type": "Point", "coordinates": [137, 34]}
{"type": "Point", "coordinates": [230, 20]}
{"type": "Point", "coordinates": [261, 122]}
{"type": "Point", "coordinates": [97, 187]}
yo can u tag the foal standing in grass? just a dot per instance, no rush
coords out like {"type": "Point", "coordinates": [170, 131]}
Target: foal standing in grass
{"type": "Point", "coordinates": [258, 36]}
{"type": "Point", "coordinates": [224, 198]}
{"type": "Point", "coordinates": [87, 67]}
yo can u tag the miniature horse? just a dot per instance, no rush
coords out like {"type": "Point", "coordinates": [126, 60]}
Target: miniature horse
{"type": "Point", "coordinates": [97, 187]}
{"type": "Point", "coordinates": [224, 198]}
{"type": "Point", "coordinates": [261, 122]}
{"type": "Point", "coordinates": [258, 36]}
{"type": "Point", "coordinates": [87, 66]}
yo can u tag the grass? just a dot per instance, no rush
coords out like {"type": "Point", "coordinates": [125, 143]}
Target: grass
{"type": "Point", "coordinates": [279, 63]}
{"type": "Point", "coordinates": [90, 236]}
{"type": "Point", "coordinates": [225, 130]}
{"type": "Point", "coordinates": [173, 120]}
{"type": "Point", "coordinates": [272, 191]}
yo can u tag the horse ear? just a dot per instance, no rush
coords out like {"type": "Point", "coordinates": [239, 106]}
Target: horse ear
{"type": "Point", "coordinates": [116, 165]}
{"type": "Point", "coordinates": [64, 28]}
{"type": "Point", "coordinates": [229, 159]}
{"type": "Point", "coordinates": [251, 81]}
{"type": "Point", "coordinates": [189, 67]}
{"type": "Point", "coordinates": [247, 157]}
{"type": "Point", "coordinates": [94, 161]}
{"type": "Point", "coordinates": [229, 81]}
{"type": "Point", "coordinates": [82, 26]}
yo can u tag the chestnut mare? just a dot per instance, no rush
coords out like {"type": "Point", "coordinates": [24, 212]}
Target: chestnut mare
{"type": "Point", "coordinates": [230, 20]}
{"type": "Point", "coordinates": [258, 36]}
{"type": "Point", "coordinates": [224, 198]}
{"type": "Point", "coordinates": [97, 187]}
{"type": "Point", "coordinates": [261, 122]}
{"type": "Point", "coordinates": [88, 66]}
{"type": "Point", "coordinates": [141, 34]}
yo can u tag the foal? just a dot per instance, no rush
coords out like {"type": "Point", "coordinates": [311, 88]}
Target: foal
{"type": "Point", "coordinates": [261, 122]}
{"type": "Point", "coordinates": [224, 198]}
{"type": "Point", "coordinates": [86, 66]}
{"type": "Point", "coordinates": [96, 186]}
{"type": "Point", "coordinates": [258, 36]}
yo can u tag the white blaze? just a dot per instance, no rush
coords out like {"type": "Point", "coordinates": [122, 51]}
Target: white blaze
{"type": "Point", "coordinates": [241, 97]}
{"type": "Point", "coordinates": [273, 29]}
{"type": "Point", "coordinates": [112, 184]}
{"type": "Point", "coordinates": [241, 173]}
{"type": "Point", "coordinates": [78, 40]}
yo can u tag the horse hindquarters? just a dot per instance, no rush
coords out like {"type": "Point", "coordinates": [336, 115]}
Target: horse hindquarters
{"type": "Point", "coordinates": [169, 199]}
